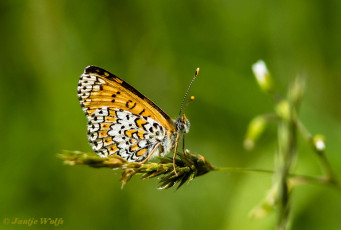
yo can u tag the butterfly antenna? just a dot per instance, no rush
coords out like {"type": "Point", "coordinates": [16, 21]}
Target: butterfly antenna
{"type": "Point", "coordinates": [183, 100]}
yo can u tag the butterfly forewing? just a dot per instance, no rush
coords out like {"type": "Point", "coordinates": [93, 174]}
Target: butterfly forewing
{"type": "Point", "coordinates": [97, 88]}
{"type": "Point", "coordinates": [121, 120]}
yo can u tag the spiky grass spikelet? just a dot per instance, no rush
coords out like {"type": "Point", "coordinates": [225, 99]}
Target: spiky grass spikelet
{"type": "Point", "coordinates": [187, 167]}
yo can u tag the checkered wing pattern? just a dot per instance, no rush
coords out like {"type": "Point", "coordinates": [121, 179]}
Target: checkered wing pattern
{"type": "Point", "coordinates": [121, 120]}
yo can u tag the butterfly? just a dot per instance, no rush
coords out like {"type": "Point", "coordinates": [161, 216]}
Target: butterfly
{"type": "Point", "coordinates": [123, 121]}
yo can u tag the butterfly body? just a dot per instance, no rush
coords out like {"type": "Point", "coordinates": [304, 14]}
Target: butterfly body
{"type": "Point", "coordinates": [123, 121]}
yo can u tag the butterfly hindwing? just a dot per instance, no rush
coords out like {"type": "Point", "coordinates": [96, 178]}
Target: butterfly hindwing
{"type": "Point", "coordinates": [128, 135]}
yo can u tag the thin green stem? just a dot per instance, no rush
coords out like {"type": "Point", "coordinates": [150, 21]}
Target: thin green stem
{"type": "Point", "coordinates": [243, 170]}
{"type": "Point", "coordinates": [295, 179]}
{"type": "Point", "coordinates": [327, 167]}
{"type": "Point", "coordinates": [321, 156]}
{"type": "Point", "coordinates": [304, 131]}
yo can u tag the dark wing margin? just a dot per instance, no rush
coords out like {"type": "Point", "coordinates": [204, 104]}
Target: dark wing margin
{"type": "Point", "coordinates": [112, 77]}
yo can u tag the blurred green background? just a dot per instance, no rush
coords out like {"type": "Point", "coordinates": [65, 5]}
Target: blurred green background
{"type": "Point", "coordinates": [156, 46]}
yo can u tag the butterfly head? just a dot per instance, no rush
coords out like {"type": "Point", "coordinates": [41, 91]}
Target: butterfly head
{"type": "Point", "coordinates": [182, 124]}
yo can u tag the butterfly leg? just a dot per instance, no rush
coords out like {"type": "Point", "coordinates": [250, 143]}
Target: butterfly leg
{"type": "Point", "coordinates": [175, 150]}
{"type": "Point", "coordinates": [151, 153]}
{"type": "Point", "coordinates": [183, 144]}
{"type": "Point", "coordinates": [183, 147]}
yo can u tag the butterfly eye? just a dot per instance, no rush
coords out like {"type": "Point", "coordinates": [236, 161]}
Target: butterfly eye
{"type": "Point", "coordinates": [182, 124]}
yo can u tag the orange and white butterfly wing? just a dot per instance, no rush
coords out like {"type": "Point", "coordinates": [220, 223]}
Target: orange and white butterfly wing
{"type": "Point", "coordinates": [121, 120]}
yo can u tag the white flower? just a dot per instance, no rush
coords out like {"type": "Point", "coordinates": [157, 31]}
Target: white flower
{"type": "Point", "coordinates": [260, 71]}
{"type": "Point", "coordinates": [319, 143]}
{"type": "Point", "coordinates": [263, 76]}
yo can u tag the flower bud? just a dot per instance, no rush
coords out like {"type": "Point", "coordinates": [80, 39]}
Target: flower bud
{"type": "Point", "coordinates": [319, 144]}
{"type": "Point", "coordinates": [263, 76]}
{"type": "Point", "coordinates": [254, 131]}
